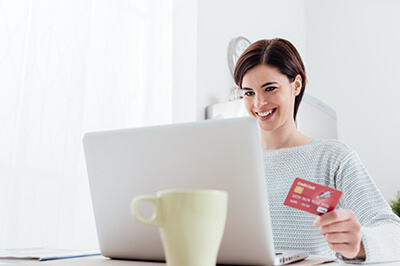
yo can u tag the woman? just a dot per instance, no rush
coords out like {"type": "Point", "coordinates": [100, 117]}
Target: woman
{"type": "Point", "coordinates": [363, 227]}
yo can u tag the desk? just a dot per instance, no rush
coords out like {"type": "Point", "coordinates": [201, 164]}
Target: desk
{"type": "Point", "coordinates": [102, 261]}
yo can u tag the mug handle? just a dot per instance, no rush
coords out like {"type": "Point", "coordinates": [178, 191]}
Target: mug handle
{"type": "Point", "coordinates": [155, 219]}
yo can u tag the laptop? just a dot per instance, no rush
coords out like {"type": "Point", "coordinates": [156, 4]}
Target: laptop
{"type": "Point", "coordinates": [213, 154]}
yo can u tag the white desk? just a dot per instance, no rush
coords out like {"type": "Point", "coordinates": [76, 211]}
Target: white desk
{"type": "Point", "coordinates": [102, 261]}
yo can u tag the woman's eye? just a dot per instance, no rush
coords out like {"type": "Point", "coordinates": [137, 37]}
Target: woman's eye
{"type": "Point", "coordinates": [270, 88]}
{"type": "Point", "coordinates": [248, 93]}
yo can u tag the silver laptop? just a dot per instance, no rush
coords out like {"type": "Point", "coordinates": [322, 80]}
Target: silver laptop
{"type": "Point", "coordinates": [214, 154]}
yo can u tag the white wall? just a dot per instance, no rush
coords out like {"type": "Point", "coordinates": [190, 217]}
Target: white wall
{"type": "Point", "coordinates": [353, 66]}
{"type": "Point", "coordinates": [184, 60]}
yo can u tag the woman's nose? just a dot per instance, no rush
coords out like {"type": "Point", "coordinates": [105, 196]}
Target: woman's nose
{"type": "Point", "coordinates": [260, 101]}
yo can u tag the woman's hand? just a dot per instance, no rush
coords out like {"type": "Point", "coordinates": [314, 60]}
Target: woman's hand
{"type": "Point", "coordinates": [342, 231]}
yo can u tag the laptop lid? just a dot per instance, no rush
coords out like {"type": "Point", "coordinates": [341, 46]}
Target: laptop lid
{"type": "Point", "coordinates": [214, 154]}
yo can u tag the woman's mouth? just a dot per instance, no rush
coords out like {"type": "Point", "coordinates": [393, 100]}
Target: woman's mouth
{"type": "Point", "coordinates": [266, 114]}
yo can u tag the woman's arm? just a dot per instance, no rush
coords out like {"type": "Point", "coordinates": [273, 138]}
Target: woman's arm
{"type": "Point", "coordinates": [378, 236]}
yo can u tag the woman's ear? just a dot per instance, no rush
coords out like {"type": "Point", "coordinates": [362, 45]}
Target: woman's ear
{"type": "Point", "coordinates": [297, 85]}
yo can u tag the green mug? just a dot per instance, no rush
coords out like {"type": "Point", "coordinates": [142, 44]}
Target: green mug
{"type": "Point", "coordinates": [191, 223]}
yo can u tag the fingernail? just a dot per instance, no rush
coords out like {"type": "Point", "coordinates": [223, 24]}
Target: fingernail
{"type": "Point", "coordinates": [316, 221]}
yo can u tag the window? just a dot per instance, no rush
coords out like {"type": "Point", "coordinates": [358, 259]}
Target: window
{"type": "Point", "coordinates": [68, 67]}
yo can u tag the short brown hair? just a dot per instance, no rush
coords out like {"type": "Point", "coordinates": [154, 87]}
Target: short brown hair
{"type": "Point", "coordinates": [278, 53]}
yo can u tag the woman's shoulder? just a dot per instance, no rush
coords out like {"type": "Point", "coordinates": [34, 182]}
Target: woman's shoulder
{"type": "Point", "coordinates": [334, 143]}
{"type": "Point", "coordinates": [334, 147]}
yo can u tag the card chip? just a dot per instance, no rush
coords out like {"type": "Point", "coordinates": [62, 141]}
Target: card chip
{"type": "Point", "coordinates": [298, 190]}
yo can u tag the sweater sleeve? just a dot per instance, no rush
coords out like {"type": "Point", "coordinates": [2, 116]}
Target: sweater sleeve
{"type": "Point", "coordinates": [380, 226]}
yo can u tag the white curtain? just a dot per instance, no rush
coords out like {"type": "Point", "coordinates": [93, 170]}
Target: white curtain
{"type": "Point", "coordinates": [68, 67]}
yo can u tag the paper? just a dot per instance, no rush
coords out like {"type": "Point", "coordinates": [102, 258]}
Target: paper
{"type": "Point", "coordinates": [314, 261]}
{"type": "Point", "coordinates": [43, 254]}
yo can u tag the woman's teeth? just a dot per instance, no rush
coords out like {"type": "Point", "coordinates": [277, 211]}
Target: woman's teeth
{"type": "Point", "coordinates": [263, 114]}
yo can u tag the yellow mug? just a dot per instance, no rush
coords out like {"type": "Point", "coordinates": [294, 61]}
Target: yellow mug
{"type": "Point", "coordinates": [191, 222]}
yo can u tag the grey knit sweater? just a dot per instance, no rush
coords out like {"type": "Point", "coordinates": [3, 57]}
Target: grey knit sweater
{"type": "Point", "coordinates": [331, 163]}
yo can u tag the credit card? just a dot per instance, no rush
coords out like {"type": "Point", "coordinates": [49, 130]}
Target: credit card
{"type": "Point", "coordinates": [312, 197]}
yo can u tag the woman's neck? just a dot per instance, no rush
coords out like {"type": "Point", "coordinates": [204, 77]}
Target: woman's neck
{"type": "Point", "coordinates": [284, 137]}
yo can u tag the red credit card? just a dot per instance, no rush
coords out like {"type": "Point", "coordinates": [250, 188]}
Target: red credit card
{"type": "Point", "coordinates": [312, 197]}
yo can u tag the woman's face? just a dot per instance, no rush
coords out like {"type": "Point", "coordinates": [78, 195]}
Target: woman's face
{"type": "Point", "coordinates": [269, 96]}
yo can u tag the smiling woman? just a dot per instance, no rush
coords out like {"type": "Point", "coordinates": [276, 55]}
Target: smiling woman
{"type": "Point", "coordinates": [363, 227]}
{"type": "Point", "coordinates": [68, 67]}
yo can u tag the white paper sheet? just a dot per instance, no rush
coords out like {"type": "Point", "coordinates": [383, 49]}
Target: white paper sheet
{"type": "Point", "coordinates": [43, 254]}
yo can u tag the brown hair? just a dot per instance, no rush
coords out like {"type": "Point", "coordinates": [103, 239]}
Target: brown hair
{"type": "Point", "coordinates": [278, 53]}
